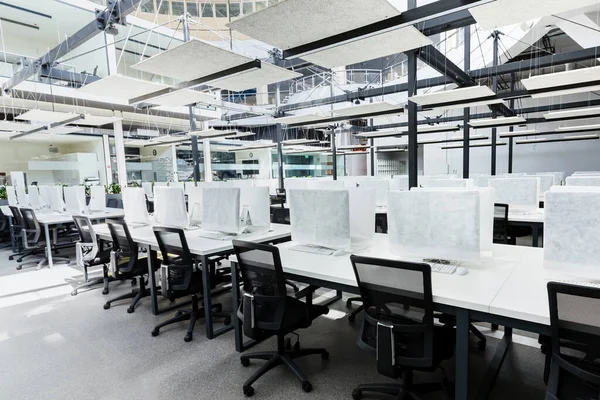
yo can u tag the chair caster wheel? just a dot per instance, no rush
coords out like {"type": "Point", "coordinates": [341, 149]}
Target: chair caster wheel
{"type": "Point", "coordinates": [227, 321]}
{"type": "Point", "coordinates": [105, 291]}
{"type": "Point", "coordinates": [19, 260]}
{"type": "Point", "coordinates": [130, 310]}
{"type": "Point", "coordinates": [11, 258]}
{"type": "Point", "coordinates": [481, 345]}
{"type": "Point", "coordinates": [218, 307]}
{"type": "Point", "coordinates": [348, 303]}
{"type": "Point", "coordinates": [245, 362]}
{"type": "Point", "coordinates": [74, 293]}
{"type": "Point", "coordinates": [494, 327]}
{"type": "Point", "coordinates": [155, 332]}
{"type": "Point", "coordinates": [306, 386]}
{"type": "Point", "coordinates": [19, 268]}
{"type": "Point", "coordinates": [297, 346]}
{"type": "Point", "coordinates": [133, 281]}
{"type": "Point", "coordinates": [356, 394]}
{"type": "Point", "coordinates": [178, 313]}
{"type": "Point", "coordinates": [106, 306]}
{"type": "Point", "coordinates": [188, 337]}
{"type": "Point", "coordinates": [248, 391]}
{"type": "Point", "coordinates": [325, 356]}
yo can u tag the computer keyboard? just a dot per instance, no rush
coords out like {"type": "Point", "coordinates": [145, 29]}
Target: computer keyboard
{"type": "Point", "coordinates": [441, 266]}
{"type": "Point", "coordinates": [581, 283]}
{"type": "Point", "coordinates": [313, 249]}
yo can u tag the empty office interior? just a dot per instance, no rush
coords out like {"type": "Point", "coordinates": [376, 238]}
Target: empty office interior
{"type": "Point", "coordinates": [285, 199]}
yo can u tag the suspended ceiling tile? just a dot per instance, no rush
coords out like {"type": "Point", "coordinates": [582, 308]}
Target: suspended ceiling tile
{"type": "Point", "coordinates": [184, 98]}
{"type": "Point", "coordinates": [292, 23]}
{"type": "Point", "coordinates": [584, 89]}
{"type": "Point", "coordinates": [474, 103]}
{"type": "Point", "coordinates": [94, 120]}
{"type": "Point", "coordinates": [578, 128]}
{"type": "Point", "coordinates": [500, 121]}
{"type": "Point", "coordinates": [16, 126]}
{"type": "Point", "coordinates": [191, 60]}
{"type": "Point", "coordinates": [265, 75]}
{"type": "Point", "coordinates": [212, 133]}
{"type": "Point", "coordinates": [384, 44]}
{"type": "Point", "coordinates": [562, 78]}
{"type": "Point", "coordinates": [369, 108]}
{"type": "Point", "coordinates": [579, 112]}
{"type": "Point", "coordinates": [44, 116]}
{"type": "Point", "coordinates": [121, 87]}
{"type": "Point", "coordinates": [299, 119]}
{"type": "Point", "coordinates": [447, 96]}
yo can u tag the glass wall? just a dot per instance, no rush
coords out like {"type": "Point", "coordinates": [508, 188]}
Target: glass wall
{"type": "Point", "coordinates": [307, 165]}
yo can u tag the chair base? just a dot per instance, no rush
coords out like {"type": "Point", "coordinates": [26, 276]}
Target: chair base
{"type": "Point", "coordinates": [399, 391]}
{"type": "Point", "coordinates": [43, 262]}
{"type": "Point", "coordinates": [276, 358]}
{"type": "Point", "coordinates": [93, 282]}
{"type": "Point", "coordinates": [192, 315]}
{"type": "Point", "coordinates": [136, 295]}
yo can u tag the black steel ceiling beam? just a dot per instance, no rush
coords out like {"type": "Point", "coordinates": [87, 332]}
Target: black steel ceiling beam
{"type": "Point", "coordinates": [67, 76]}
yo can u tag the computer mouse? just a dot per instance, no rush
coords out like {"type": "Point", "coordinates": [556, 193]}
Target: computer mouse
{"type": "Point", "coordinates": [338, 253]}
{"type": "Point", "coordinates": [461, 271]}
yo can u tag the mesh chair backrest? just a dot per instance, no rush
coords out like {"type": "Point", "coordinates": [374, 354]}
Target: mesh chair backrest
{"type": "Point", "coordinates": [17, 216]}
{"type": "Point", "coordinates": [178, 269]}
{"type": "Point", "coordinates": [32, 225]}
{"type": "Point", "coordinates": [3, 221]}
{"type": "Point", "coordinates": [387, 286]}
{"type": "Point", "coordinates": [85, 229]}
{"type": "Point", "coordinates": [263, 278]}
{"type": "Point", "coordinates": [125, 248]}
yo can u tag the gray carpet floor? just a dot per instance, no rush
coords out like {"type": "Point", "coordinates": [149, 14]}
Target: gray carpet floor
{"type": "Point", "coordinates": [58, 346]}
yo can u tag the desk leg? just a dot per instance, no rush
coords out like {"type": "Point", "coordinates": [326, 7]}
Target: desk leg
{"type": "Point", "coordinates": [462, 355]}
{"type": "Point", "coordinates": [48, 245]}
{"type": "Point", "coordinates": [152, 280]}
{"type": "Point", "coordinates": [535, 234]}
{"type": "Point", "coordinates": [207, 275]}
{"type": "Point", "coordinates": [235, 295]}
{"type": "Point", "coordinates": [488, 381]}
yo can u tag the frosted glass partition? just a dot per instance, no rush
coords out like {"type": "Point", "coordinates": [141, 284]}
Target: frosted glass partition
{"type": "Point", "coordinates": [572, 231]}
{"type": "Point", "coordinates": [514, 175]}
{"type": "Point", "coordinates": [169, 207]}
{"type": "Point", "coordinates": [380, 185]}
{"type": "Point", "coordinates": [448, 183]}
{"type": "Point", "coordinates": [294, 183]}
{"type": "Point", "coordinates": [179, 185]}
{"type": "Point", "coordinates": [482, 180]}
{"type": "Point", "coordinates": [147, 186]}
{"type": "Point", "coordinates": [399, 183]}
{"type": "Point", "coordinates": [134, 205]}
{"type": "Point", "coordinates": [521, 193]}
{"type": "Point", "coordinates": [546, 182]}
{"type": "Point", "coordinates": [583, 180]}
{"type": "Point", "coordinates": [258, 203]}
{"type": "Point", "coordinates": [444, 224]}
{"type": "Point", "coordinates": [22, 198]}
{"type": "Point", "coordinates": [320, 217]}
{"type": "Point", "coordinates": [195, 205]}
{"type": "Point", "coordinates": [55, 198]}
{"type": "Point", "coordinates": [362, 203]}
{"type": "Point", "coordinates": [324, 184]}
{"type": "Point", "coordinates": [75, 199]}
{"type": "Point", "coordinates": [97, 198]}
{"type": "Point", "coordinates": [156, 184]}
{"type": "Point", "coordinates": [12, 196]}
{"type": "Point", "coordinates": [586, 173]}
{"type": "Point", "coordinates": [221, 209]}
{"type": "Point", "coordinates": [35, 201]}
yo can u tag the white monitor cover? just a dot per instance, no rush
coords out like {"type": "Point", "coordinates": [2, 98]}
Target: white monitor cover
{"type": "Point", "coordinates": [75, 199]}
{"type": "Point", "coordinates": [399, 183]}
{"type": "Point", "coordinates": [195, 204]}
{"type": "Point", "coordinates": [22, 198]}
{"type": "Point", "coordinates": [134, 205]}
{"type": "Point", "coordinates": [169, 207]}
{"type": "Point", "coordinates": [97, 198]}
{"type": "Point", "coordinates": [12, 196]}
{"type": "Point", "coordinates": [363, 204]}
{"type": "Point", "coordinates": [34, 197]}
{"type": "Point", "coordinates": [583, 180]}
{"type": "Point", "coordinates": [448, 183]}
{"type": "Point", "coordinates": [572, 231]}
{"type": "Point", "coordinates": [295, 183]}
{"type": "Point", "coordinates": [258, 201]}
{"type": "Point", "coordinates": [320, 217]}
{"type": "Point", "coordinates": [324, 184]}
{"type": "Point", "coordinates": [522, 193]}
{"type": "Point", "coordinates": [221, 209]}
{"type": "Point", "coordinates": [147, 186]}
{"type": "Point", "coordinates": [55, 198]}
{"type": "Point", "coordinates": [441, 224]}
{"type": "Point", "coordinates": [381, 185]}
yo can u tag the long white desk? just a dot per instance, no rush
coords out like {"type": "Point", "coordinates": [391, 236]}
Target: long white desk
{"type": "Point", "coordinates": [493, 291]}
{"type": "Point", "coordinates": [202, 249]}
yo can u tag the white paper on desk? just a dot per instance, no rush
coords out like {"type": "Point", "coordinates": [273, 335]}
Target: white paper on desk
{"type": "Point", "coordinates": [572, 232]}
{"type": "Point", "coordinates": [169, 207]}
{"type": "Point", "coordinates": [363, 204]}
{"type": "Point", "coordinates": [221, 209]}
{"type": "Point", "coordinates": [435, 224]}
{"type": "Point", "coordinates": [380, 185]}
{"type": "Point", "coordinates": [320, 217]}
{"type": "Point", "coordinates": [97, 198]}
{"type": "Point", "coordinates": [520, 193]}
{"type": "Point", "coordinates": [75, 199]}
{"type": "Point", "coordinates": [134, 205]}
{"type": "Point", "coordinates": [34, 197]}
{"type": "Point", "coordinates": [258, 204]}
{"type": "Point", "coordinates": [12, 196]}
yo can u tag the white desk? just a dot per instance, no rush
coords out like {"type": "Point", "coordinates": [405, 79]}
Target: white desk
{"type": "Point", "coordinates": [201, 248]}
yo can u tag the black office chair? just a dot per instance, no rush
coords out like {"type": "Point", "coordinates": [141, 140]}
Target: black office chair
{"type": "Point", "coordinates": [125, 263]}
{"type": "Point", "coordinates": [181, 277]}
{"type": "Point", "coordinates": [88, 255]}
{"type": "Point", "coordinates": [17, 234]}
{"type": "Point", "coordinates": [501, 224]}
{"type": "Point", "coordinates": [266, 310]}
{"type": "Point", "coordinates": [404, 340]}
{"type": "Point", "coordinates": [5, 238]}
{"type": "Point", "coordinates": [575, 331]}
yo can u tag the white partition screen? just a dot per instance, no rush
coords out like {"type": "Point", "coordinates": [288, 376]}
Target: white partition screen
{"type": "Point", "coordinates": [195, 205]}
{"type": "Point", "coordinates": [12, 196]}
{"type": "Point", "coordinates": [134, 205]}
{"type": "Point", "coordinates": [257, 202]}
{"type": "Point", "coordinates": [221, 209]}
{"type": "Point", "coordinates": [583, 180]}
{"type": "Point", "coordinates": [22, 197]}
{"type": "Point", "coordinates": [381, 186]}
{"type": "Point", "coordinates": [362, 203]}
{"type": "Point", "coordinates": [294, 183]}
{"type": "Point", "coordinates": [324, 184]}
{"type": "Point", "coordinates": [521, 193]}
{"type": "Point", "coordinates": [399, 183]}
{"type": "Point", "coordinates": [147, 186]}
{"type": "Point", "coordinates": [435, 224]}
{"type": "Point", "coordinates": [320, 217]}
{"type": "Point", "coordinates": [75, 199]}
{"type": "Point", "coordinates": [169, 207]}
{"type": "Point", "coordinates": [97, 198]}
{"type": "Point", "coordinates": [34, 197]}
{"type": "Point", "coordinates": [448, 183]}
{"type": "Point", "coordinates": [55, 198]}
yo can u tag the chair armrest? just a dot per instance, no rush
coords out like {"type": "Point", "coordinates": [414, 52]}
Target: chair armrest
{"type": "Point", "coordinates": [386, 357]}
{"type": "Point", "coordinates": [248, 313]}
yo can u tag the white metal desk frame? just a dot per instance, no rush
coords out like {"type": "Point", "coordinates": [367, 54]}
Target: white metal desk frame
{"type": "Point", "coordinates": [202, 250]}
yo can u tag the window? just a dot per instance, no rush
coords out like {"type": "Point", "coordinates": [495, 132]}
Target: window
{"type": "Point", "coordinates": [192, 9]}
{"type": "Point", "coordinates": [261, 5]}
{"type": "Point", "coordinates": [164, 7]}
{"type": "Point", "coordinates": [177, 8]}
{"type": "Point", "coordinates": [234, 10]}
{"type": "Point", "coordinates": [248, 8]}
{"type": "Point", "coordinates": [148, 7]}
{"type": "Point", "coordinates": [221, 10]}
{"type": "Point", "coordinates": [207, 10]}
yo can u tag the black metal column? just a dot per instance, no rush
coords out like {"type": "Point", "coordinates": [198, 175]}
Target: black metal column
{"type": "Point", "coordinates": [413, 156]}
{"type": "Point", "coordinates": [279, 135]}
{"type": "Point", "coordinates": [511, 129]}
{"type": "Point", "coordinates": [372, 144]}
{"type": "Point", "coordinates": [195, 152]}
{"type": "Point", "coordinates": [467, 67]}
{"type": "Point", "coordinates": [334, 152]}
{"type": "Point", "coordinates": [494, 112]}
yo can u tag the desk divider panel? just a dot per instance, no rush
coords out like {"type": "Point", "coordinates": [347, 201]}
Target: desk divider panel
{"type": "Point", "coordinates": [134, 205]}
{"type": "Point", "coordinates": [583, 180]}
{"type": "Point", "coordinates": [221, 209]}
{"type": "Point", "coordinates": [520, 193]}
{"type": "Point", "coordinates": [448, 183]}
{"type": "Point", "coordinates": [259, 206]}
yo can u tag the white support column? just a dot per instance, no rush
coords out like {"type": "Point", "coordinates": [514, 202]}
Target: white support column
{"type": "Point", "coordinates": [174, 158]}
{"type": "Point", "coordinates": [107, 162]}
{"type": "Point", "coordinates": [120, 150]}
{"type": "Point", "coordinates": [207, 161]}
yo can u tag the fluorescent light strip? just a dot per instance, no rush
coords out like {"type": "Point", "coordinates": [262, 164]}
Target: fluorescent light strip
{"type": "Point", "coordinates": [256, 147]}
{"type": "Point", "coordinates": [352, 147]}
{"type": "Point", "coordinates": [448, 96]}
{"type": "Point", "coordinates": [293, 142]}
{"type": "Point", "coordinates": [578, 128]}
{"type": "Point", "coordinates": [486, 144]}
{"type": "Point", "coordinates": [420, 129]}
{"type": "Point", "coordinates": [391, 151]}
{"type": "Point", "coordinates": [500, 121]}
{"type": "Point", "coordinates": [563, 139]}
{"type": "Point", "coordinates": [518, 133]}
{"type": "Point", "coordinates": [579, 112]}
{"type": "Point", "coordinates": [212, 133]}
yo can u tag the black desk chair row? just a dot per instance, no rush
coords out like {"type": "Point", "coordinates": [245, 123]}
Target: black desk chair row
{"type": "Point", "coordinates": [18, 234]}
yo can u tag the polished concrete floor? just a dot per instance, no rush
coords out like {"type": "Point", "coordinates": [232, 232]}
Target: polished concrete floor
{"type": "Point", "coordinates": [57, 346]}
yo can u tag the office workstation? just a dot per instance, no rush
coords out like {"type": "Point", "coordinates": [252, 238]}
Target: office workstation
{"type": "Point", "coordinates": [296, 198]}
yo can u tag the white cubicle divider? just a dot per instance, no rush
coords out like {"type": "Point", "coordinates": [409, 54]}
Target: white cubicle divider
{"type": "Point", "coordinates": [35, 201]}
{"type": "Point", "coordinates": [179, 185]}
{"type": "Point", "coordinates": [399, 182]}
{"type": "Point", "coordinates": [518, 193]}
{"type": "Point", "coordinates": [221, 209]}
{"type": "Point", "coordinates": [294, 183]}
{"type": "Point", "coordinates": [572, 232]}
{"type": "Point", "coordinates": [482, 180]}
{"type": "Point", "coordinates": [97, 198]}
{"type": "Point", "coordinates": [22, 197]}
{"type": "Point", "coordinates": [559, 177]}
{"type": "Point", "coordinates": [363, 205]}
{"type": "Point", "coordinates": [134, 206]}
{"type": "Point", "coordinates": [586, 173]}
{"type": "Point", "coordinates": [448, 183]}
{"type": "Point", "coordinates": [514, 175]}
{"type": "Point", "coordinates": [169, 207]}
{"type": "Point", "coordinates": [75, 199]}
{"type": "Point", "coordinates": [320, 217]}
{"type": "Point", "coordinates": [147, 186]}
{"type": "Point", "coordinates": [45, 194]}
{"type": "Point", "coordinates": [195, 205]}
{"type": "Point", "coordinates": [315, 184]}
{"type": "Point", "coordinates": [257, 202]}
{"type": "Point", "coordinates": [380, 185]}
{"type": "Point", "coordinates": [12, 196]}
{"type": "Point", "coordinates": [583, 180]}
{"type": "Point", "coordinates": [55, 198]}
{"type": "Point", "coordinates": [441, 224]}
{"type": "Point", "coordinates": [546, 182]}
